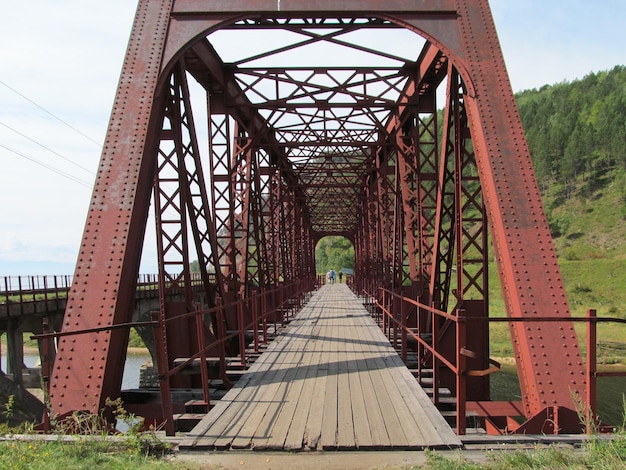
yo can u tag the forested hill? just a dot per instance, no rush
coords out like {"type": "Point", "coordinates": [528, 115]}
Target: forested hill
{"type": "Point", "coordinates": [576, 133]}
{"type": "Point", "coordinates": [577, 129]}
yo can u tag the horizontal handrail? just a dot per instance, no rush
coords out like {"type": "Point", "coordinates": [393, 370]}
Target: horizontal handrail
{"type": "Point", "coordinates": [385, 302]}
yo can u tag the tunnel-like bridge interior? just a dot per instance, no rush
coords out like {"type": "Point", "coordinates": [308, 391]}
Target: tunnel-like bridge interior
{"type": "Point", "coordinates": [254, 129]}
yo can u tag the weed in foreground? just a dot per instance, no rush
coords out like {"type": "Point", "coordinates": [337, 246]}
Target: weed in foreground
{"type": "Point", "coordinates": [84, 454]}
{"type": "Point", "coordinates": [438, 462]}
{"type": "Point", "coordinates": [598, 453]}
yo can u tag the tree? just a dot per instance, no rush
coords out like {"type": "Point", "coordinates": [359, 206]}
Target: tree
{"type": "Point", "coordinates": [333, 253]}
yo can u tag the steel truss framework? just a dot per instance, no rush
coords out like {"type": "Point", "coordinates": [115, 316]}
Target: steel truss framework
{"type": "Point", "coordinates": [295, 143]}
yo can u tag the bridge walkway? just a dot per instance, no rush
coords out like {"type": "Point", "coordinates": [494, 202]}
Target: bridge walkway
{"type": "Point", "coordinates": [331, 380]}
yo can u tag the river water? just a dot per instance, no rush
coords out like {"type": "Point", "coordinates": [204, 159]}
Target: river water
{"type": "Point", "coordinates": [130, 379]}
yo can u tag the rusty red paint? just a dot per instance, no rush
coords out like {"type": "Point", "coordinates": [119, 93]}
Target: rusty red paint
{"type": "Point", "coordinates": [296, 153]}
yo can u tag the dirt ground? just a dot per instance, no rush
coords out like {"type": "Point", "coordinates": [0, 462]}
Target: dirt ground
{"type": "Point", "coordinates": [319, 460]}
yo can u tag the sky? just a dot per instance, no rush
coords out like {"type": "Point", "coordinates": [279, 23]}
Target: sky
{"type": "Point", "coordinates": [59, 66]}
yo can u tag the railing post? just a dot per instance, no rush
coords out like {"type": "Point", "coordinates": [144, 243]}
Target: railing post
{"type": "Point", "coordinates": [403, 310]}
{"type": "Point", "coordinates": [46, 356]}
{"type": "Point", "coordinates": [255, 318]}
{"type": "Point", "coordinates": [19, 286]}
{"type": "Point", "coordinates": [56, 292]}
{"type": "Point", "coordinates": [163, 370]}
{"type": "Point", "coordinates": [394, 317]}
{"type": "Point", "coordinates": [45, 293]}
{"type": "Point", "coordinates": [461, 377]}
{"type": "Point", "coordinates": [265, 313]}
{"type": "Point", "coordinates": [204, 376]}
{"type": "Point", "coordinates": [221, 336]}
{"type": "Point", "coordinates": [384, 313]}
{"type": "Point", "coordinates": [434, 343]}
{"type": "Point", "coordinates": [6, 294]}
{"type": "Point", "coordinates": [591, 369]}
{"type": "Point", "coordinates": [242, 333]}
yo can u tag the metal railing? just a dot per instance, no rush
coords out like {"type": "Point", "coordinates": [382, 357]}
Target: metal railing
{"type": "Point", "coordinates": [391, 313]}
{"type": "Point", "coordinates": [267, 306]}
{"type": "Point", "coordinates": [42, 292]}
{"type": "Point", "coordinates": [20, 295]}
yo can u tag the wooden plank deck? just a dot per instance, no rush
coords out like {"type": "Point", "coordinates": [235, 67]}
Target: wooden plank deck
{"type": "Point", "coordinates": [331, 380]}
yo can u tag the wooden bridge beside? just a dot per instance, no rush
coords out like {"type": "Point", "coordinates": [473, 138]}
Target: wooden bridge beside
{"type": "Point", "coordinates": [331, 380]}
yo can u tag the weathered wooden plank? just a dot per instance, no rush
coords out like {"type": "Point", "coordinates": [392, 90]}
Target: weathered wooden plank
{"type": "Point", "coordinates": [257, 422]}
{"type": "Point", "coordinates": [230, 413]}
{"type": "Point", "coordinates": [345, 425]}
{"type": "Point", "coordinates": [295, 436]}
{"type": "Point", "coordinates": [362, 433]}
{"type": "Point", "coordinates": [229, 426]}
{"type": "Point", "coordinates": [331, 381]}
{"type": "Point", "coordinates": [272, 431]}
{"type": "Point", "coordinates": [377, 427]}
{"type": "Point", "coordinates": [328, 438]}
{"type": "Point", "coordinates": [313, 428]}
{"type": "Point", "coordinates": [435, 429]}
{"type": "Point", "coordinates": [408, 425]}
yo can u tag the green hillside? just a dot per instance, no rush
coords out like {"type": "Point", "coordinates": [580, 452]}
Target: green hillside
{"type": "Point", "coordinates": [576, 133]}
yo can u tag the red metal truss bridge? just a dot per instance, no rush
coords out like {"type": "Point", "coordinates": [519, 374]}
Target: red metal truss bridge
{"type": "Point", "coordinates": [256, 128]}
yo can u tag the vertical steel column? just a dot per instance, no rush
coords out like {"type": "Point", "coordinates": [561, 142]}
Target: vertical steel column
{"type": "Point", "coordinates": [220, 176]}
{"type": "Point", "coordinates": [240, 194]}
{"type": "Point", "coordinates": [88, 368]}
{"type": "Point", "coordinates": [445, 218]}
{"type": "Point", "coordinates": [408, 175]}
{"type": "Point", "coordinates": [271, 214]}
{"type": "Point", "coordinates": [288, 222]}
{"type": "Point", "coordinates": [461, 240]}
{"type": "Point", "coordinates": [384, 217]}
{"type": "Point", "coordinates": [171, 196]}
{"type": "Point", "coordinates": [416, 141]}
{"type": "Point", "coordinates": [548, 355]}
{"type": "Point", "coordinates": [398, 248]}
{"type": "Point", "coordinates": [181, 203]}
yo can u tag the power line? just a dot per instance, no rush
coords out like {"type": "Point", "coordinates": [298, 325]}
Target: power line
{"type": "Point", "coordinates": [51, 114]}
{"type": "Point", "coordinates": [48, 167]}
{"type": "Point", "coordinates": [48, 149]}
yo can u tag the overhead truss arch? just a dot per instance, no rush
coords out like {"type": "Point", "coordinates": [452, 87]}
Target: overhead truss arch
{"type": "Point", "coordinates": [392, 124]}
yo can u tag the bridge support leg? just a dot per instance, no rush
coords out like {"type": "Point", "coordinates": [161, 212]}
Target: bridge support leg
{"type": "Point", "coordinates": [15, 351]}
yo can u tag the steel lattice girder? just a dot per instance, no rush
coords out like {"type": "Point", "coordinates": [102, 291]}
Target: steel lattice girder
{"type": "Point", "coordinates": [308, 115]}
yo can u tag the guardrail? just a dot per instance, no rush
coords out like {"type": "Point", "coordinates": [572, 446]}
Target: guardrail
{"type": "Point", "coordinates": [266, 306]}
{"type": "Point", "coordinates": [43, 294]}
{"type": "Point", "coordinates": [390, 315]}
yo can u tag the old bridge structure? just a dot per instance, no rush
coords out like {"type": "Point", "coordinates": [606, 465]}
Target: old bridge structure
{"type": "Point", "coordinates": [256, 128]}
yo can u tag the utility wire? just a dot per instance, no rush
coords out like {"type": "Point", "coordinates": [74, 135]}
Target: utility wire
{"type": "Point", "coordinates": [48, 149]}
{"type": "Point", "coordinates": [48, 167]}
{"type": "Point", "coordinates": [51, 114]}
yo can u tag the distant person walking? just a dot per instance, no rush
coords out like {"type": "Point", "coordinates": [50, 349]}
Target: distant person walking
{"type": "Point", "coordinates": [331, 276]}
{"type": "Point", "coordinates": [340, 276]}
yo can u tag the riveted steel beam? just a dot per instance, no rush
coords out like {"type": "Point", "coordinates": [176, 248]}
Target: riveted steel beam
{"type": "Point", "coordinates": [297, 152]}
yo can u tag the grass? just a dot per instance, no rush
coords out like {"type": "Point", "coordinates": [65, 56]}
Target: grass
{"type": "Point", "coordinates": [81, 454]}
{"type": "Point", "coordinates": [596, 283]}
{"type": "Point", "coordinates": [597, 454]}
{"type": "Point", "coordinates": [91, 444]}
{"type": "Point", "coordinates": [608, 452]}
